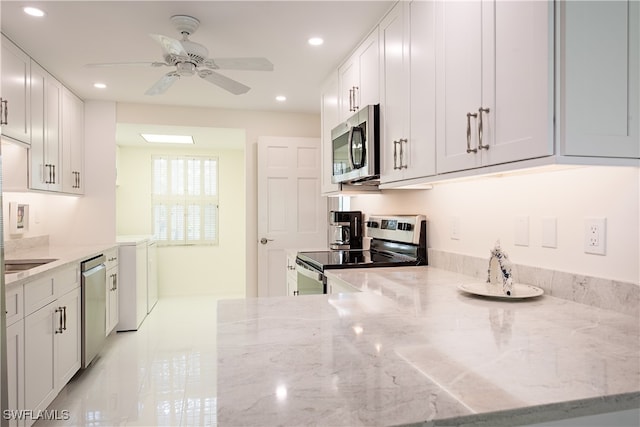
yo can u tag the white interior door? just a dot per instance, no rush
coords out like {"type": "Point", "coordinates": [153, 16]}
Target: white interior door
{"type": "Point", "coordinates": [291, 212]}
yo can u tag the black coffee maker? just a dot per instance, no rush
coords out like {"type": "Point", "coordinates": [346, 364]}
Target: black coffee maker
{"type": "Point", "coordinates": [345, 230]}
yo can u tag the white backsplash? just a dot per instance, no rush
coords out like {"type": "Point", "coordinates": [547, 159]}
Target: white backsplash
{"type": "Point", "coordinates": [15, 245]}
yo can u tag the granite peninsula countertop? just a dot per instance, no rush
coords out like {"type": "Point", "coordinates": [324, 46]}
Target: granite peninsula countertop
{"type": "Point", "coordinates": [413, 349]}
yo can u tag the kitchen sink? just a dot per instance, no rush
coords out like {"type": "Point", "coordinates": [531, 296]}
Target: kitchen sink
{"type": "Point", "coordinates": [18, 265]}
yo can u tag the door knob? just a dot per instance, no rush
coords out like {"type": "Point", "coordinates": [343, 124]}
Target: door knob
{"type": "Point", "coordinates": [264, 240]}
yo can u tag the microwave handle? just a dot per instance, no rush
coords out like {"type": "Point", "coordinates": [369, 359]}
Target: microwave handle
{"type": "Point", "coordinates": [352, 131]}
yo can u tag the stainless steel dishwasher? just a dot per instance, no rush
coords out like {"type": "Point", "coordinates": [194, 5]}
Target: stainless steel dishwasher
{"type": "Point", "coordinates": [94, 307]}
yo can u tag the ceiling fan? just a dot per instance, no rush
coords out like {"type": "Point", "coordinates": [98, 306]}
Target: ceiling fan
{"type": "Point", "coordinates": [190, 58]}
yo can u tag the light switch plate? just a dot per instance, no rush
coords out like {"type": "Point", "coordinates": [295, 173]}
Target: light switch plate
{"type": "Point", "coordinates": [522, 231]}
{"type": "Point", "coordinates": [455, 228]}
{"type": "Point", "coordinates": [550, 232]}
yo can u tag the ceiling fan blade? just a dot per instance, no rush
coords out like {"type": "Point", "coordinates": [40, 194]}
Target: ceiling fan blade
{"type": "Point", "coordinates": [225, 83]}
{"type": "Point", "coordinates": [127, 64]}
{"type": "Point", "coordinates": [169, 46]}
{"type": "Point", "coordinates": [163, 84]}
{"type": "Point", "coordinates": [255, 64]}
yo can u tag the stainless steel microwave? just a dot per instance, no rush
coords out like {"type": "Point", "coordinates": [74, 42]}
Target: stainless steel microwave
{"type": "Point", "coordinates": [356, 147]}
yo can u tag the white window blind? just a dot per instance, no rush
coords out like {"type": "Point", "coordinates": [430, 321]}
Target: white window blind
{"type": "Point", "coordinates": [185, 200]}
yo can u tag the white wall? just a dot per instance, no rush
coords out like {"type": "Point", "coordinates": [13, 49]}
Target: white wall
{"type": "Point", "coordinates": [487, 209]}
{"type": "Point", "coordinates": [255, 123]}
{"type": "Point", "coordinates": [74, 220]}
{"type": "Point", "coordinates": [190, 270]}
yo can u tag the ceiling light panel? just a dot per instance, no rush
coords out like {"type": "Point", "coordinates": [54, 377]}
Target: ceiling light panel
{"type": "Point", "coordinates": [167, 139]}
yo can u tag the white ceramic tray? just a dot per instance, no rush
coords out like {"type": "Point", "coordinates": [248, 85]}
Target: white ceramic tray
{"type": "Point", "coordinates": [518, 291]}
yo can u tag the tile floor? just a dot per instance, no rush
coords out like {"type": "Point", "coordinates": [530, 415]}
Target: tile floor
{"type": "Point", "coordinates": [164, 374]}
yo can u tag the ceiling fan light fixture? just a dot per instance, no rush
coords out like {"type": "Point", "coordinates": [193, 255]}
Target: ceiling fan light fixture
{"type": "Point", "coordinates": [167, 139]}
{"type": "Point", "coordinates": [33, 11]}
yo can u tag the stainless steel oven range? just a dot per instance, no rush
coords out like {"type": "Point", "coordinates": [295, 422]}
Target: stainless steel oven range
{"type": "Point", "coordinates": [396, 241]}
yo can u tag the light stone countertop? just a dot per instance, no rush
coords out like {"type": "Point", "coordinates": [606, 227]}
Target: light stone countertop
{"type": "Point", "coordinates": [413, 349]}
{"type": "Point", "coordinates": [63, 255]}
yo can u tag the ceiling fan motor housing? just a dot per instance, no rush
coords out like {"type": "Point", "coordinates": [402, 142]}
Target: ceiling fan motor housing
{"type": "Point", "coordinates": [185, 24]}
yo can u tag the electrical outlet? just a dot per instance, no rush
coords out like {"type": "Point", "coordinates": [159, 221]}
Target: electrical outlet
{"type": "Point", "coordinates": [595, 236]}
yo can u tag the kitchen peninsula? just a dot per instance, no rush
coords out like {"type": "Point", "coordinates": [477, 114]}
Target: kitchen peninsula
{"type": "Point", "coordinates": [411, 349]}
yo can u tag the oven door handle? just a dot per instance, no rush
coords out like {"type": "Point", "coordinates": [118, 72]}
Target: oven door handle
{"type": "Point", "coordinates": [308, 271]}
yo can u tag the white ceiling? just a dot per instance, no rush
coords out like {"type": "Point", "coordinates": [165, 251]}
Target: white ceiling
{"type": "Point", "coordinates": [76, 33]}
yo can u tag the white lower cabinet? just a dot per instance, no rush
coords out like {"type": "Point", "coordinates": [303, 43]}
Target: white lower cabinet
{"type": "Point", "coordinates": [15, 367]}
{"type": "Point", "coordinates": [52, 336]}
{"type": "Point", "coordinates": [133, 286]}
{"type": "Point", "coordinates": [152, 275]}
{"type": "Point", "coordinates": [292, 275]}
{"type": "Point", "coordinates": [39, 361]}
{"type": "Point", "coordinates": [112, 290]}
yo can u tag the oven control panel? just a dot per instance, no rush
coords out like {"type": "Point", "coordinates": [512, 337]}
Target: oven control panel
{"type": "Point", "coordinates": [401, 228]}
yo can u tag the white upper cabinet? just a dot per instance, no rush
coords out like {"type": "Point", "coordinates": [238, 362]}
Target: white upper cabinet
{"type": "Point", "coordinates": [493, 82]}
{"type": "Point", "coordinates": [359, 78]}
{"type": "Point", "coordinates": [46, 102]}
{"type": "Point", "coordinates": [15, 72]}
{"type": "Point", "coordinates": [72, 143]}
{"type": "Point", "coordinates": [330, 117]}
{"type": "Point", "coordinates": [394, 93]}
{"type": "Point", "coordinates": [599, 78]}
{"type": "Point", "coordinates": [408, 92]}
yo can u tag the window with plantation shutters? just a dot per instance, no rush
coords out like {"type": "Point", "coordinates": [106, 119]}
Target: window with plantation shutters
{"type": "Point", "coordinates": [185, 200]}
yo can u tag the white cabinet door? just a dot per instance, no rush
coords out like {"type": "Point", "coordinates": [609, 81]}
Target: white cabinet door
{"type": "Point", "coordinates": [112, 299]}
{"type": "Point", "coordinates": [141, 282]}
{"type": "Point", "coordinates": [68, 351]}
{"type": "Point", "coordinates": [14, 89]}
{"type": "Point", "coordinates": [72, 143]}
{"type": "Point", "coordinates": [517, 86]}
{"type": "Point", "coordinates": [349, 83]}
{"type": "Point", "coordinates": [422, 110]}
{"type": "Point", "coordinates": [458, 88]}
{"type": "Point", "coordinates": [112, 311]}
{"type": "Point", "coordinates": [15, 368]}
{"type": "Point", "coordinates": [292, 274]}
{"type": "Point", "coordinates": [599, 78]}
{"type": "Point", "coordinates": [329, 117]}
{"type": "Point", "coordinates": [46, 101]}
{"type": "Point", "coordinates": [39, 357]}
{"type": "Point", "coordinates": [368, 92]}
{"type": "Point", "coordinates": [359, 78]}
{"type": "Point", "coordinates": [494, 91]}
{"type": "Point", "coordinates": [408, 96]}
{"type": "Point", "coordinates": [394, 105]}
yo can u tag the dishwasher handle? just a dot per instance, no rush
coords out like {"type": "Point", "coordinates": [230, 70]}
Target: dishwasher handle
{"type": "Point", "coordinates": [92, 263]}
{"type": "Point", "coordinates": [308, 271]}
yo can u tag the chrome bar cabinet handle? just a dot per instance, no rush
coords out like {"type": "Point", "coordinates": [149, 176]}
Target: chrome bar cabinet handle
{"type": "Point", "coordinates": [480, 129]}
{"type": "Point", "coordinates": [469, 149]}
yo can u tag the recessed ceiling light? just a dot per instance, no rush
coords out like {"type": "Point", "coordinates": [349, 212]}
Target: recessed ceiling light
{"type": "Point", "coordinates": [168, 139]}
{"type": "Point", "coordinates": [281, 98]}
{"type": "Point", "coordinates": [315, 41]}
{"type": "Point", "coordinates": [100, 85]}
{"type": "Point", "coordinates": [33, 11]}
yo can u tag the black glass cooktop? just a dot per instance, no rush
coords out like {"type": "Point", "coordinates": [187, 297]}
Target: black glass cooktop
{"type": "Point", "coordinates": [356, 258]}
